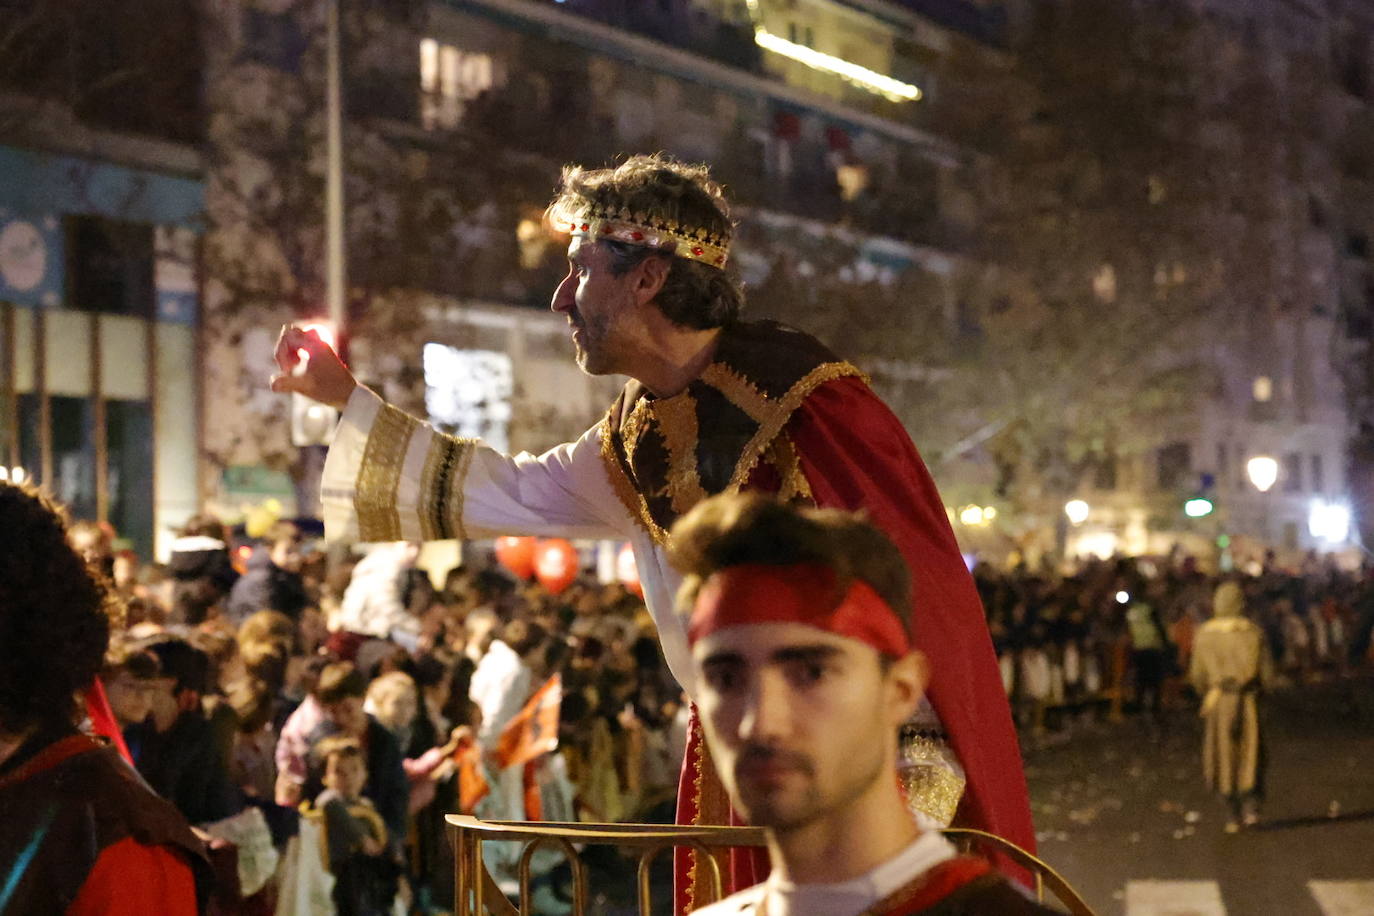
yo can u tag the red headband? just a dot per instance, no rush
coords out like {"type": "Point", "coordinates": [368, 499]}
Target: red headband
{"type": "Point", "coordinates": [805, 593]}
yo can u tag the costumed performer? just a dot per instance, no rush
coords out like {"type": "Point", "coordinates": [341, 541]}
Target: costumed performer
{"type": "Point", "coordinates": [715, 405]}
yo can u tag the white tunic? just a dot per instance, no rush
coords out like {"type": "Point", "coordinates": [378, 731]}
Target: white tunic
{"type": "Point", "coordinates": [776, 897]}
{"type": "Point", "coordinates": [564, 492]}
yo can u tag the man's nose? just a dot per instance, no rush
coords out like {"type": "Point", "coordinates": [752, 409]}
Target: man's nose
{"type": "Point", "coordinates": [563, 299]}
{"type": "Point", "coordinates": [766, 713]}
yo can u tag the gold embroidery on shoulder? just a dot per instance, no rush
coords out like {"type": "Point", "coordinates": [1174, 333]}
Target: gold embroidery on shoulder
{"type": "Point", "coordinates": [738, 390]}
{"type": "Point", "coordinates": [380, 474]}
{"type": "Point", "coordinates": [633, 427]}
{"type": "Point", "coordinates": [780, 411]}
{"type": "Point", "coordinates": [793, 485]}
{"type": "Point", "coordinates": [677, 421]}
{"type": "Point", "coordinates": [624, 488]}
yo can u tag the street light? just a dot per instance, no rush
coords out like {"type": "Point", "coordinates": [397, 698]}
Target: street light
{"type": "Point", "coordinates": [1263, 471]}
{"type": "Point", "coordinates": [1329, 521]}
{"type": "Point", "coordinates": [1077, 510]}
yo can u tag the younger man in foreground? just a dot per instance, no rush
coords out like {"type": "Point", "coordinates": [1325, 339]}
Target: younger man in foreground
{"type": "Point", "coordinates": [799, 622]}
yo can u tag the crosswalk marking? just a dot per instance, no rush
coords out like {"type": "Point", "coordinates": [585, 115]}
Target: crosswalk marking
{"type": "Point", "coordinates": [1343, 898]}
{"type": "Point", "coordinates": [1203, 898]}
{"type": "Point", "coordinates": [1174, 898]}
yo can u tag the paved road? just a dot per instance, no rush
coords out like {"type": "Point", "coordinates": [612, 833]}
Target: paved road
{"type": "Point", "coordinates": [1121, 811]}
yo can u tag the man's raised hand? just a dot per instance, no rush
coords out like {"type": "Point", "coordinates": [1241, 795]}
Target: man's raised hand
{"type": "Point", "coordinates": [320, 375]}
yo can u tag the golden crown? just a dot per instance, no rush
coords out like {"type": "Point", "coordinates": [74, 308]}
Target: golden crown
{"type": "Point", "coordinates": [590, 220]}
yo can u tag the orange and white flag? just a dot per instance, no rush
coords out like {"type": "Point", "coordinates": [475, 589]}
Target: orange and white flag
{"type": "Point", "coordinates": [534, 729]}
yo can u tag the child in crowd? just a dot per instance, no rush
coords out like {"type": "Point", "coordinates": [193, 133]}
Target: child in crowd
{"type": "Point", "coordinates": [365, 874]}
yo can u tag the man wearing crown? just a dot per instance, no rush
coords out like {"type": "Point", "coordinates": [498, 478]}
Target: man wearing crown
{"type": "Point", "coordinates": [715, 404]}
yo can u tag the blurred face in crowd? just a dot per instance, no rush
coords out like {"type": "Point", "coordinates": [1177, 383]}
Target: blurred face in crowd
{"type": "Point", "coordinates": [286, 554]}
{"type": "Point", "coordinates": [802, 723]}
{"type": "Point", "coordinates": [348, 716]}
{"type": "Point", "coordinates": [125, 570]}
{"type": "Point", "coordinates": [396, 709]}
{"type": "Point", "coordinates": [131, 698]}
{"type": "Point", "coordinates": [345, 774]}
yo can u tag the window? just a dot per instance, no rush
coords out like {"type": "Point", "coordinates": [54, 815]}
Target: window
{"type": "Point", "coordinates": [449, 78]}
{"type": "Point", "coordinates": [1263, 389]}
{"type": "Point", "coordinates": [129, 467]}
{"type": "Point", "coordinates": [1292, 473]}
{"type": "Point", "coordinates": [1223, 463]}
{"type": "Point", "coordinates": [1175, 463]}
{"type": "Point", "coordinates": [1318, 475]}
{"type": "Point", "coordinates": [109, 266]}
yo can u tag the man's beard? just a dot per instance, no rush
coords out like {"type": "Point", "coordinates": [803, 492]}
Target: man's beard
{"type": "Point", "coordinates": [792, 810]}
{"type": "Point", "coordinates": [592, 356]}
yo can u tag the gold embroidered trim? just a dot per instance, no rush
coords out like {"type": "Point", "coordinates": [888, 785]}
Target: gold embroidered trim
{"type": "Point", "coordinates": [380, 475]}
{"type": "Point", "coordinates": [738, 390]}
{"type": "Point", "coordinates": [677, 421]}
{"type": "Point", "coordinates": [428, 509]}
{"type": "Point", "coordinates": [459, 487]}
{"type": "Point", "coordinates": [440, 508]}
{"type": "Point", "coordinates": [698, 766]}
{"type": "Point", "coordinates": [712, 809]}
{"type": "Point", "coordinates": [779, 412]}
{"type": "Point", "coordinates": [624, 488]}
{"type": "Point", "coordinates": [793, 485]}
{"type": "Point", "coordinates": [632, 428]}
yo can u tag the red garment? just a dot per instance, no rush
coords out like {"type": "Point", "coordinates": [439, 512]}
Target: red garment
{"type": "Point", "coordinates": [103, 720]}
{"type": "Point", "coordinates": [856, 455]}
{"type": "Point", "coordinates": [131, 879]}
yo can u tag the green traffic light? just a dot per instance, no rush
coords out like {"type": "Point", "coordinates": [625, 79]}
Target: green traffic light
{"type": "Point", "coordinates": [1197, 507]}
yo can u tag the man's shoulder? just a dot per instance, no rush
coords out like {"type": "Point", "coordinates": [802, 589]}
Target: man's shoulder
{"type": "Point", "coordinates": [740, 902]}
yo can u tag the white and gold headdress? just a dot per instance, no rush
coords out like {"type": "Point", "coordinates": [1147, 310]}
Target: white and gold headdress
{"type": "Point", "coordinates": [583, 218]}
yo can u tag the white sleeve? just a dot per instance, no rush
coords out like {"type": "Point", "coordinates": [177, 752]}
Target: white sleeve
{"type": "Point", "coordinates": [391, 477]}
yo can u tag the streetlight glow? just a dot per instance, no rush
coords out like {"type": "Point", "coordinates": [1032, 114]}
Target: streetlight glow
{"type": "Point", "coordinates": [1263, 471]}
{"type": "Point", "coordinates": [1328, 521]}
{"type": "Point", "coordinates": [1077, 511]}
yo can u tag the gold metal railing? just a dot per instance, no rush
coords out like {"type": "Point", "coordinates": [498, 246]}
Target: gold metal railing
{"type": "Point", "coordinates": [477, 894]}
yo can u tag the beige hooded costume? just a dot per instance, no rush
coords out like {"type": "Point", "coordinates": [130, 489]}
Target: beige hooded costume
{"type": "Point", "coordinates": [1229, 665]}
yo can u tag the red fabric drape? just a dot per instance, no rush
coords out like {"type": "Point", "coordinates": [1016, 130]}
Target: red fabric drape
{"type": "Point", "coordinates": [856, 455]}
{"type": "Point", "coordinates": [103, 720]}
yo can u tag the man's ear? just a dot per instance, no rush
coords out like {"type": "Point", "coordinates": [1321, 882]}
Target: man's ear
{"type": "Point", "coordinates": [907, 678]}
{"type": "Point", "coordinates": [650, 275]}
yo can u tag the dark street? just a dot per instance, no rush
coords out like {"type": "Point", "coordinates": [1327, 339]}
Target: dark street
{"type": "Point", "coordinates": [1123, 814]}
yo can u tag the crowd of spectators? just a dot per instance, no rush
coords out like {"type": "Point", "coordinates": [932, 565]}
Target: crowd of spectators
{"type": "Point", "coordinates": [1118, 634]}
{"type": "Point", "coordinates": [350, 692]}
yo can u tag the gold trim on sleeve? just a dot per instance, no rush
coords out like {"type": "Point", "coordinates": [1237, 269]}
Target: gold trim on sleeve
{"type": "Point", "coordinates": [380, 474]}
{"type": "Point", "coordinates": [440, 509]}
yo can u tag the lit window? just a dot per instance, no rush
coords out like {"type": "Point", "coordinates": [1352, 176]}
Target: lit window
{"type": "Point", "coordinates": [1263, 388]}
{"type": "Point", "coordinates": [449, 77]}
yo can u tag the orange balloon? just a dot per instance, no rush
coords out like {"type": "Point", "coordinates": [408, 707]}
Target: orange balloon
{"type": "Point", "coordinates": [517, 555]}
{"type": "Point", "coordinates": [556, 564]}
{"type": "Point", "coordinates": [627, 571]}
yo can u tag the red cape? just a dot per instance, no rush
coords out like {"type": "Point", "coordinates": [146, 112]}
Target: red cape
{"type": "Point", "coordinates": [857, 455]}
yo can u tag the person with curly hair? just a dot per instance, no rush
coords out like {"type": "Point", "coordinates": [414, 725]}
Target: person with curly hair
{"type": "Point", "coordinates": [714, 404]}
{"type": "Point", "coordinates": [83, 834]}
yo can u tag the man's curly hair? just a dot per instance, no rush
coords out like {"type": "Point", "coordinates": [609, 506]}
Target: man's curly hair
{"type": "Point", "coordinates": [54, 613]}
{"type": "Point", "coordinates": [695, 295]}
